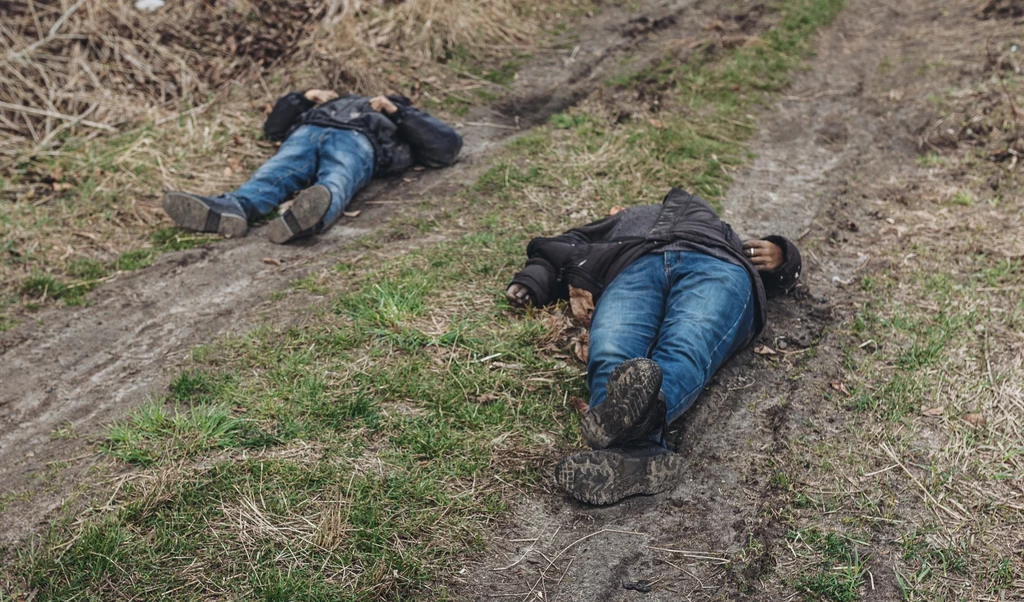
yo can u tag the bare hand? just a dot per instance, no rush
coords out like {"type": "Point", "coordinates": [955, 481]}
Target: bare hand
{"type": "Point", "coordinates": [766, 256]}
{"type": "Point", "coordinates": [518, 295]}
{"type": "Point", "coordinates": [321, 96]}
{"type": "Point", "coordinates": [381, 104]}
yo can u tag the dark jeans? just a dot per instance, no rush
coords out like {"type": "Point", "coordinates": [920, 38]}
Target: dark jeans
{"type": "Point", "coordinates": [341, 160]}
{"type": "Point", "coordinates": [687, 311]}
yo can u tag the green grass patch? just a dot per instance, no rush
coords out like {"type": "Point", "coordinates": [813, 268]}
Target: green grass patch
{"type": "Point", "coordinates": [153, 432]}
{"type": "Point", "coordinates": [932, 558]}
{"type": "Point", "coordinates": [134, 260]}
{"type": "Point", "coordinates": [839, 572]}
{"type": "Point", "coordinates": [85, 268]}
{"type": "Point", "coordinates": [963, 198]}
{"type": "Point", "coordinates": [44, 286]}
{"type": "Point", "coordinates": [176, 239]}
{"type": "Point", "coordinates": [384, 440]}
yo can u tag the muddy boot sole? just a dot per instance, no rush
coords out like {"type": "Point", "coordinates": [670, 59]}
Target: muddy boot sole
{"type": "Point", "coordinates": [604, 477]}
{"type": "Point", "coordinates": [191, 213]}
{"type": "Point", "coordinates": [632, 405]}
{"type": "Point", "coordinates": [304, 214]}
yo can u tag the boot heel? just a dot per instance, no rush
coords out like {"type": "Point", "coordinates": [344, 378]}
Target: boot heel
{"type": "Point", "coordinates": [299, 220]}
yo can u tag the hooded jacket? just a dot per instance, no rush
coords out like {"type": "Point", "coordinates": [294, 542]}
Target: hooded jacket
{"type": "Point", "coordinates": [589, 257]}
{"type": "Point", "coordinates": [401, 140]}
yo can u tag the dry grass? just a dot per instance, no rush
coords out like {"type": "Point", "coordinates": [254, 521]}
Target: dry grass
{"type": "Point", "coordinates": [77, 67]}
{"type": "Point", "coordinates": [424, 29]}
{"type": "Point", "coordinates": [928, 465]}
{"type": "Point", "coordinates": [103, 107]}
{"type": "Point", "coordinates": [956, 319]}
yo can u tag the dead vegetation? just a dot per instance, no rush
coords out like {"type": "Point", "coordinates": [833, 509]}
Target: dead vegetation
{"type": "Point", "coordinates": [93, 67]}
{"type": "Point", "coordinates": [1001, 9]}
{"type": "Point", "coordinates": [923, 467]}
{"type": "Point", "coordinates": [924, 458]}
{"type": "Point", "coordinates": [928, 461]}
{"type": "Point", "coordinates": [985, 117]}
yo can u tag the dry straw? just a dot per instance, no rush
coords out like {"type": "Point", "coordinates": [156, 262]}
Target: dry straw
{"type": "Point", "coordinates": [81, 66]}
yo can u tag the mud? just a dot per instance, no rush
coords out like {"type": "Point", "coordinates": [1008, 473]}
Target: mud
{"type": "Point", "coordinates": [834, 143]}
{"type": "Point", "coordinates": [1001, 9]}
{"type": "Point", "coordinates": [643, 38]}
{"type": "Point", "coordinates": [73, 371]}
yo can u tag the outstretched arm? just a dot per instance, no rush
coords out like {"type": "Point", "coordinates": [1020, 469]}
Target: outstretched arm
{"type": "Point", "coordinates": [777, 260]}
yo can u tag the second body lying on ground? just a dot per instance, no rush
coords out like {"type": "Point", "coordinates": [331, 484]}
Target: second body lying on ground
{"type": "Point", "coordinates": [332, 147]}
{"type": "Point", "coordinates": [676, 293]}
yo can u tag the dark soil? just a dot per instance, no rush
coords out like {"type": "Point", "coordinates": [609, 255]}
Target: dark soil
{"type": "Point", "coordinates": [1001, 9]}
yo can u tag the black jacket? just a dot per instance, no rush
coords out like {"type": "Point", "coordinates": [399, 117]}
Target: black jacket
{"type": "Point", "coordinates": [408, 137]}
{"type": "Point", "coordinates": [588, 258]}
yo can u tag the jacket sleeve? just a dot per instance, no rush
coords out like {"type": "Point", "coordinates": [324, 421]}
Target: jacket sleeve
{"type": "Point", "coordinates": [780, 280]}
{"type": "Point", "coordinates": [546, 257]}
{"type": "Point", "coordinates": [285, 112]}
{"type": "Point", "coordinates": [542, 279]}
{"type": "Point", "coordinates": [434, 143]}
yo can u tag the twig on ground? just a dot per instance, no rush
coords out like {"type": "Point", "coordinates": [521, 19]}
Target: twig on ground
{"type": "Point", "coordinates": [55, 115]}
{"type": "Point", "coordinates": [478, 78]}
{"type": "Point", "coordinates": [822, 94]}
{"type": "Point", "coordinates": [923, 489]}
{"type": "Point", "coordinates": [50, 35]}
{"type": "Point", "coordinates": [693, 555]}
{"type": "Point", "coordinates": [490, 125]}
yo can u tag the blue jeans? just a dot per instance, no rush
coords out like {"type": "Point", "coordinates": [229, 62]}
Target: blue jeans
{"type": "Point", "coordinates": [341, 160]}
{"type": "Point", "coordinates": [687, 311]}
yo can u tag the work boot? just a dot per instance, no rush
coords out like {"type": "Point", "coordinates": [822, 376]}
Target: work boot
{"type": "Point", "coordinates": [205, 214]}
{"type": "Point", "coordinates": [608, 475]}
{"type": "Point", "coordinates": [633, 408]}
{"type": "Point", "coordinates": [304, 218]}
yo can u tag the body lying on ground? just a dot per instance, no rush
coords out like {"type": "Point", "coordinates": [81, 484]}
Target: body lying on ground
{"type": "Point", "coordinates": [676, 294]}
{"type": "Point", "coordinates": [331, 147]}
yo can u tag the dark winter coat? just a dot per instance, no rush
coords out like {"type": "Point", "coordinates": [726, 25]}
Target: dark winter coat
{"type": "Point", "coordinates": [589, 258]}
{"type": "Point", "coordinates": [401, 140]}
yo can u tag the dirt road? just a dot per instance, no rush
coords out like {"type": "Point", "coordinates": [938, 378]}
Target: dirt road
{"type": "Point", "coordinates": [829, 153]}
{"type": "Point", "coordinates": [75, 370]}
